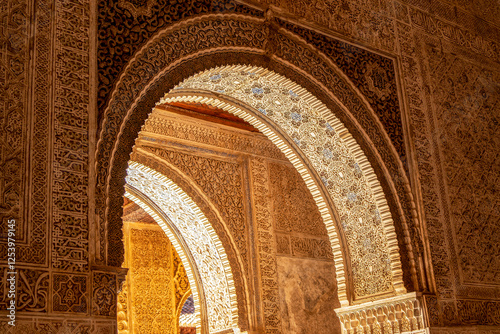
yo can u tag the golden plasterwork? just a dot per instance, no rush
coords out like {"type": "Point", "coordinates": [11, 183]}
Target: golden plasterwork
{"type": "Point", "coordinates": [156, 284]}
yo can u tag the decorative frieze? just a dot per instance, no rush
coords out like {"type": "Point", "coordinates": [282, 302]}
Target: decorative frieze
{"type": "Point", "coordinates": [401, 314]}
{"type": "Point", "coordinates": [171, 128]}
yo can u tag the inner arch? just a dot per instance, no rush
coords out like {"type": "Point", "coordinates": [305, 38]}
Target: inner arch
{"type": "Point", "coordinates": [308, 133]}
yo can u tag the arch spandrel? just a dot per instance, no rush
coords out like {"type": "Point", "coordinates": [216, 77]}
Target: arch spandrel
{"type": "Point", "coordinates": [179, 214]}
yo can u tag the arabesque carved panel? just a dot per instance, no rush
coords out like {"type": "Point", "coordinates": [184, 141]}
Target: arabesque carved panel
{"type": "Point", "coordinates": [14, 120]}
{"type": "Point", "coordinates": [222, 138]}
{"type": "Point", "coordinates": [104, 287]}
{"type": "Point", "coordinates": [373, 74]}
{"type": "Point", "coordinates": [467, 105]}
{"type": "Point", "coordinates": [70, 293]}
{"type": "Point", "coordinates": [33, 290]}
{"type": "Point", "coordinates": [71, 139]}
{"type": "Point", "coordinates": [141, 20]}
{"type": "Point", "coordinates": [215, 221]}
{"type": "Point", "coordinates": [266, 245]}
{"type": "Point", "coordinates": [294, 209]}
{"type": "Point", "coordinates": [21, 116]}
{"type": "Point", "coordinates": [454, 134]}
{"type": "Point", "coordinates": [222, 181]}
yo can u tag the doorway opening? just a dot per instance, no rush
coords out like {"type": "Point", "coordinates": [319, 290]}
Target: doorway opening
{"type": "Point", "coordinates": [188, 147]}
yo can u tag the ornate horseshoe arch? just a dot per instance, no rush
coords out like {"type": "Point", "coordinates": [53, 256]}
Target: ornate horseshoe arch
{"type": "Point", "coordinates": [310, 135]}
{"type": "Point", "coordinates": [165, 60]}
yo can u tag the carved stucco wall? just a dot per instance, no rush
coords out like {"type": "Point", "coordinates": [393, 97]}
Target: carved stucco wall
{"type": "Point", "coordinates": [467, 127]}
{"type": "Point", "coordinates": [14, 118]}
{"type": "Point", "coordinates": [301, 230]}
{"type": "Point", "coordinates": [462, 32]}
{"type": "Point", "coordinates": [304, 261]}
{"type": "Point", "coordinates": [136, 77]}
{"type": "Point", "coordinates": [287, 113]}
{"type": "Point", "coordinates": [452, 124]}
{"type": "Point", "coordinates": [372, 73]}
{"type": "Point", "coordinates": [449, 56]}
{"type": "Point", "coordinates": [163, 141]}
{"type": "Point", "coordinates": [463, 102]}
{"type": "Point", "coordinates": [196, 241]}
{"type": "Point", "coordinates": [151, 283]}
{"type": "Point", "coordinates": [45, 94]}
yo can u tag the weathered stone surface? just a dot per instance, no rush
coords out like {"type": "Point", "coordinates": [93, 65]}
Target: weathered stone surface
{"type": "Point", "coordinates": [307, 296]}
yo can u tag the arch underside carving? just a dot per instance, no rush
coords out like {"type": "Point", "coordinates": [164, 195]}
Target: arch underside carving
{"type": "Point", "coordinates": [159, 66]}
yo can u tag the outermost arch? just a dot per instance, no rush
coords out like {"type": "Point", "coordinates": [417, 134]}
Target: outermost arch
{"type": "Point", "coordinates": [154, 71]}
{"type": "Point", "coordinates": [195, 241]}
